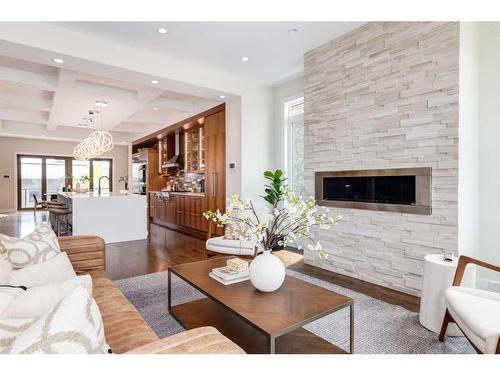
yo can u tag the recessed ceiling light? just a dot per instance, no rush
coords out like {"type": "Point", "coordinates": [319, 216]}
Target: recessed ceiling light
{"type": "Point", "coordinates": [293, 31]}
{"type": "Point", "coordinates": [43, 135]}
{"type": "Point", "coordinates": [58, 60]}
{"type": "Point", "coordinates": [162, 30]}
{"type": "Point", "coordinates": [244, 59]}
{"type": "Point", "coordinates": [124, 142]}
{"type": "Point", "coordinates": [154, 82]}
{"type": "Point", "coordinates": [156, 108]}
{"type": "Point", "coordinates": [101, 103]}
{"type": "Point", "coordinates": [222, 96]}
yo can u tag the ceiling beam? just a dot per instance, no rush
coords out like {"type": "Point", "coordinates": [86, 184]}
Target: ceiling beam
{"type": "Point", "coordinates": [36, 117]}
{"type": "Point", "coordinates": [65, 82]}
{"type": "Point", "coordinates": [144, 96]}
{"type": "Point", "coordinates": [177, 105]}
{"type": "Point", "coordinates": [25, 102]}
{"type": "Point", "coordinates": [23, 77]}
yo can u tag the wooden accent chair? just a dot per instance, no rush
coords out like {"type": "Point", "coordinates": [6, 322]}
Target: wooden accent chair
{"type": "Point", "coordinates": [476, 312]}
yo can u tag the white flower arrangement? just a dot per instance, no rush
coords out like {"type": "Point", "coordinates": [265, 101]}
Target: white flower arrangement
{"type": "Point", "coordinates": [289, 219]}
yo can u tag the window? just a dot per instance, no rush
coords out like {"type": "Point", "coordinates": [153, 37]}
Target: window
{"type": "Point", "coordinates": [294, 147]}
{"type": "Point", "coordinates": [30, 181]}
{"type": "Point", "coordinates": [81, 173]}
{"type": "Point", "coordinates": [44, 176]}
{"type": "Point", "coordinates": [56, 175]}
{"type": "Point", "coordinates": [101, 168]}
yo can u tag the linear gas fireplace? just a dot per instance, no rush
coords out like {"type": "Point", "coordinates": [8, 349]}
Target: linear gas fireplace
{"type": "Point", "coordinates": [398, 190]}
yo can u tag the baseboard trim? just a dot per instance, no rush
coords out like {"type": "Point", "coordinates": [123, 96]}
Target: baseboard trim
{"type": "Point", "coordinates": [7, 210]}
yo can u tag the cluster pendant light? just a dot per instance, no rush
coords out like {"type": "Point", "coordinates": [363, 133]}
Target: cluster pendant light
{"type": "Point", "coordinates": [98, 142]}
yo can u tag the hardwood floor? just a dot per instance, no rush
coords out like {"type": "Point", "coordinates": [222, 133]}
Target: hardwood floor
{"type": "Point", "coordinates": [166, 247]}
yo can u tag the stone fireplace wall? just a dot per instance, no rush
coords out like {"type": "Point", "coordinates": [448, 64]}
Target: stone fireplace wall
{"type": "Point", "coordinates": [386, 96]}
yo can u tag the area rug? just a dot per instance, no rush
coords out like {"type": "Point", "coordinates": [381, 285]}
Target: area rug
{"type": "Point", "coordinates": [288, 257]}
{"type": "Point", "coordinates": [380, 327]}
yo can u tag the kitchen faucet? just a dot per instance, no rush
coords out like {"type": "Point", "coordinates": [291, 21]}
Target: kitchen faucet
{"type": "Point", "coordinates": [100, 178]}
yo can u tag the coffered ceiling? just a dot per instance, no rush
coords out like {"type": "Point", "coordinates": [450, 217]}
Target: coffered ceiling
{"type": "Point", "coordinates": [57, 98]}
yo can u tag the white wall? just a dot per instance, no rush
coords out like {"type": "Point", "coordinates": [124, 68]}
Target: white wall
{"type": "Point", "coordinates": [233, 146]}
{"type": "Point", "coordinates": [489, 149]}
{"type": "Point", "coordinates": [479, 154]}
{"type": "Point", "coordinates": [257, 141]}
{"type": "Point", "coordinates": [288, 91]}
{"type": "Point", "coordinates": [10, 147]}
{"type": "Point", "coordinates": [468, 173]}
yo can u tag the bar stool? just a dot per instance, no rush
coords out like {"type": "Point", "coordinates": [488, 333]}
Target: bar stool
{"type": "Point", "coordinates": [58, 217]}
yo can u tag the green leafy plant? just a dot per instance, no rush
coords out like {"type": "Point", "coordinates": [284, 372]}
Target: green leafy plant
{"type": "Point", "coordinates": [276, 188]}
{"type": "Point", "coordinates": [84, 179]}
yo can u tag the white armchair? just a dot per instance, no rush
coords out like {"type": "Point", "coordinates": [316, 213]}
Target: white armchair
{"type": "Point", "coordinates": [476, 312]}
{"type": "Point", "coordinates": [220, 245]}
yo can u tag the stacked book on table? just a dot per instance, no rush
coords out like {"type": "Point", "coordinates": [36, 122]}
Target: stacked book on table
{"type": "Point", "coordinates": [234, 272]}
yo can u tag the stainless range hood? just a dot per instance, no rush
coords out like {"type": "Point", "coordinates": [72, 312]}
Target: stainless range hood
{"type": "Point", "coordinates": [177, 161]}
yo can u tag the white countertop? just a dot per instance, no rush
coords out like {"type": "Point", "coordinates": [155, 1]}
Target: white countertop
{"type": "Point", "coordinates": [95, 194]}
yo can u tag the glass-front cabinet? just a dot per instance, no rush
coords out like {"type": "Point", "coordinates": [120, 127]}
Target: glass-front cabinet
{"type": "Point", "coordinates": [195, 152]}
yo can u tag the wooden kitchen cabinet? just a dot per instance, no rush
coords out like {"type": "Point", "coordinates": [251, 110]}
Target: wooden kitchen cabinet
{"type": "Point", "coordinates": [152, 202]}
{"type": "Point", "coordinates": [215, 169]}
{"type": "Point", "coordinates": [181, 210]}
{"type": "Point", "coordinates": [196, 208]}
{"type": "Point", "coordinates": [170, 208]}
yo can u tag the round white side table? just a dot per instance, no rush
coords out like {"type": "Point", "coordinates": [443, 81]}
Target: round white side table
{"type": "Point", "coordinates": [438, 275]}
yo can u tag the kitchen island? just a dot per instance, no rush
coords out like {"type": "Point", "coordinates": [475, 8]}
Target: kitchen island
{"type": "Point", "coordinates": [113, 216]}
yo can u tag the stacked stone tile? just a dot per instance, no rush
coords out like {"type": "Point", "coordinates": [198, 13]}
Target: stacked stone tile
{"type": "Point", "coordinates": [386, 96]}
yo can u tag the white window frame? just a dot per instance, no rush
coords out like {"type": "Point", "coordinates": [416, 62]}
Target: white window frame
{"type": "Point", "coordinates": [288, 103]}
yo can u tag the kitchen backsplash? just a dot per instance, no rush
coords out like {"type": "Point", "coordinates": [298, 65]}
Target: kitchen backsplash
{"type": "Point", "coordinates": [186, 182]}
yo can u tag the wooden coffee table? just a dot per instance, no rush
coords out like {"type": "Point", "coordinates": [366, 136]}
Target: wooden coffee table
{"type": "Point", "coordinates": [258, 322]}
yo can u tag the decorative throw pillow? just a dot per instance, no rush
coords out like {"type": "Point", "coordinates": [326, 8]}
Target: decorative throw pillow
{"type": "Point", "coordinates": [37, 247]}
{"type": "Point", "coordinates": [38, 300]}
{"type": "Point", "coordinates": [235, 229]}
{"type": "Point", "coordinates": [5, 269]}
{"type": "Point", "coordinates": [73, 326]}
{"type": "Point", "coordinates": [54, 270]}
{"type": "Point", "coordinates": [10, 329]}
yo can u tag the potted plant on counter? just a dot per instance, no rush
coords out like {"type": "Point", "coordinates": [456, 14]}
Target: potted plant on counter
{"type": "Point", "coordinates": [287, 220]}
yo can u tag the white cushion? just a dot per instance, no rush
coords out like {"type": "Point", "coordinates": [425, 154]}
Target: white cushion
{"type": "Point", "coordinates": [477, 313]}
{"type": "Point", "coordinates": [38, 300]}
{"type": "Point", "coordinates": [37, 247]}
{"type": "Point", "coordinates": [73, 326]}
{"type": "Point", "coordinates": [5, 269]}
{"type": "Point", "coordinates": [221, 241]}
{"type": "Point", "coordinates": [54, 270]}
{"type": "Point", "coordinates": [233, 247]}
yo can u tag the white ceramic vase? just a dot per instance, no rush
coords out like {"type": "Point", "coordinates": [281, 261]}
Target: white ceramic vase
{"type": "Point", "coordinates": [267, 272]}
